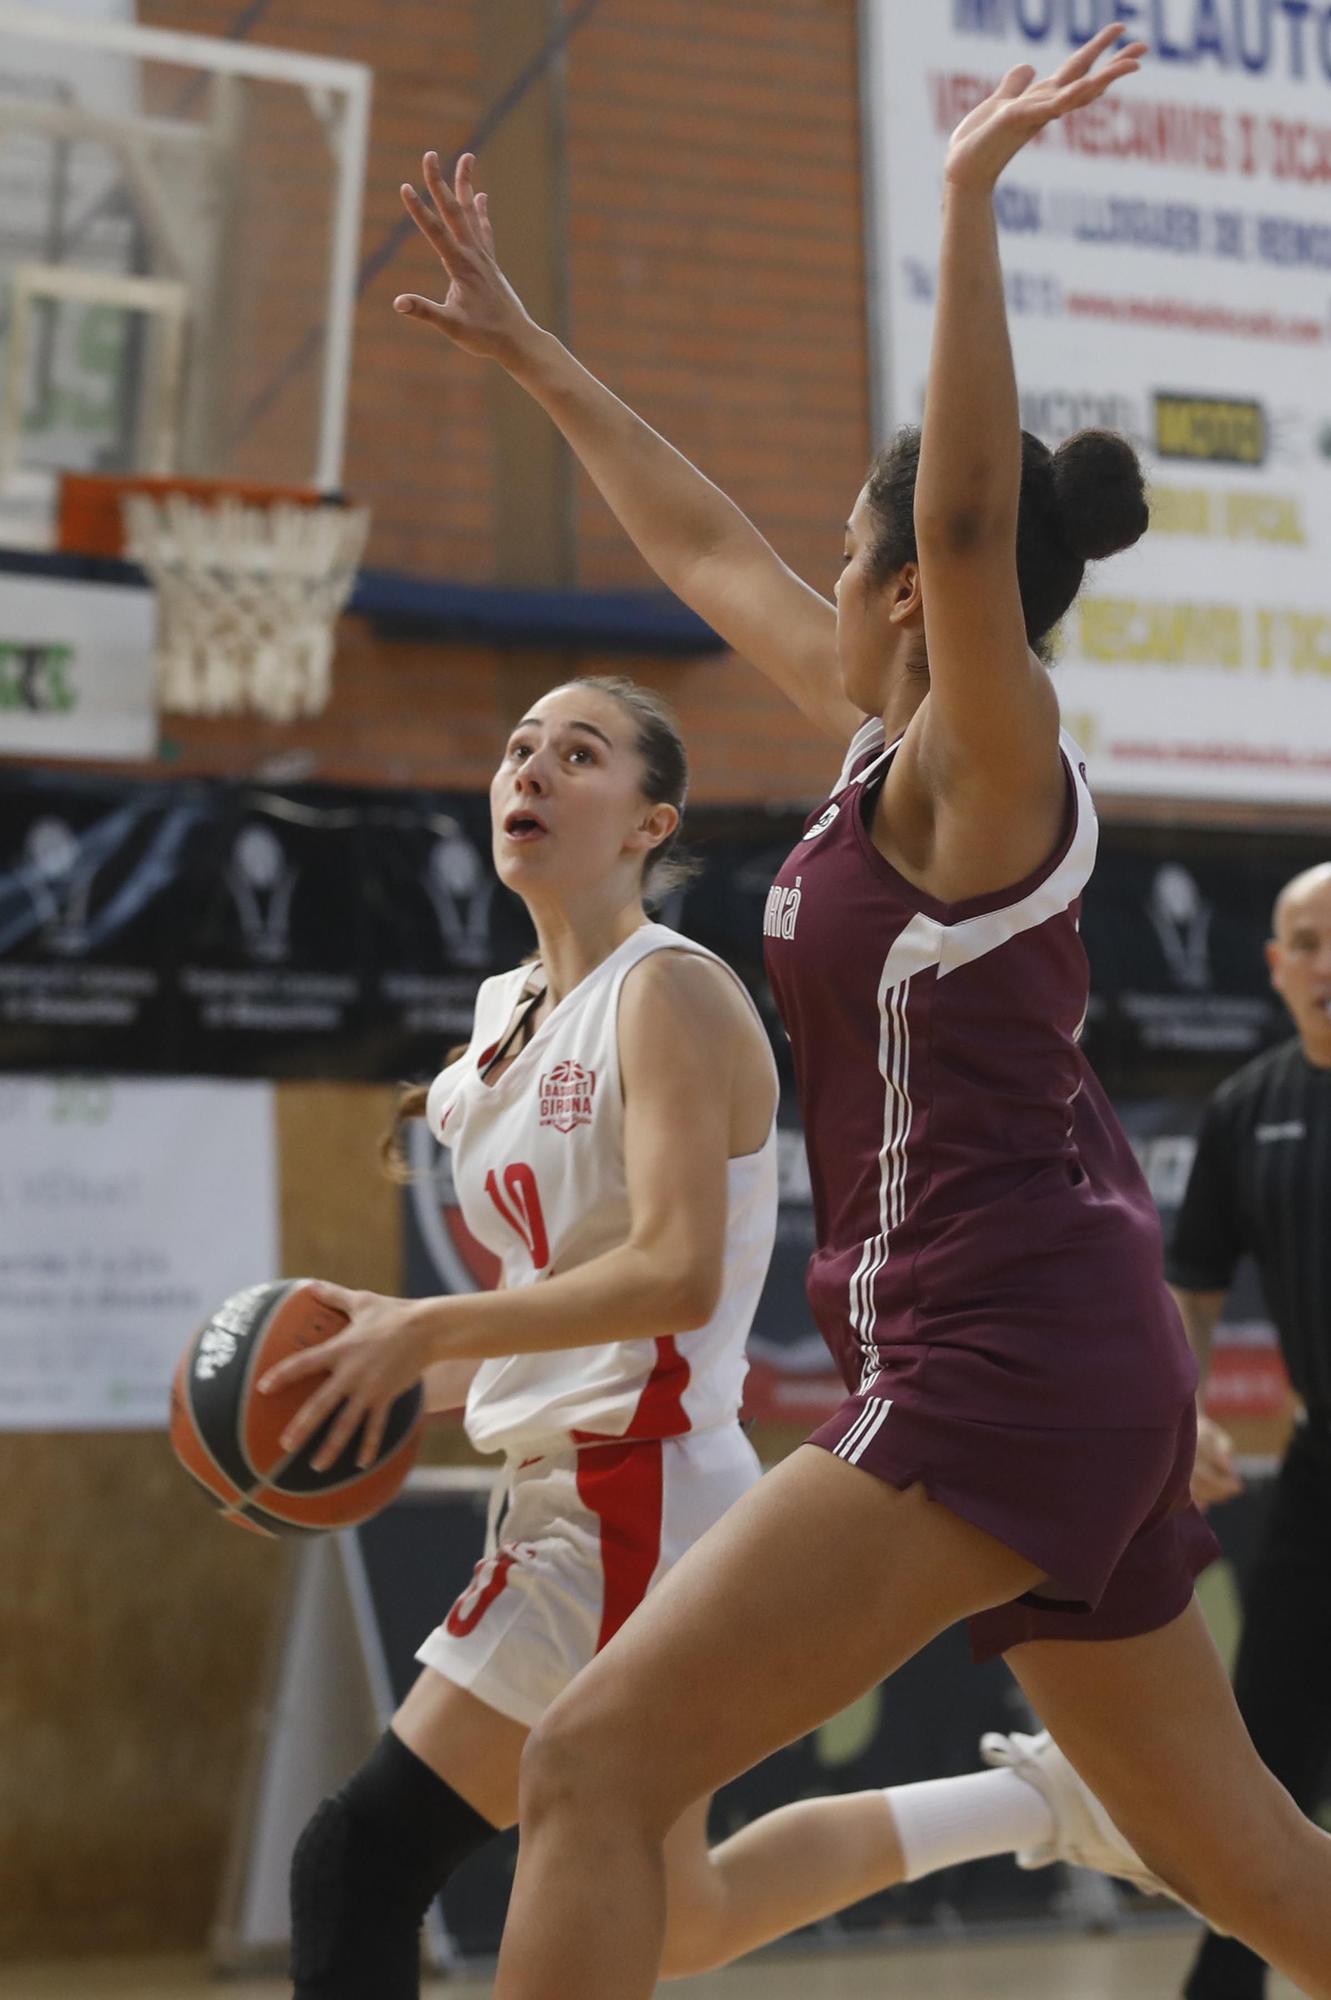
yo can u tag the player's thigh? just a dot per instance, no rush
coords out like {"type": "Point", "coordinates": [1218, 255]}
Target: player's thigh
{"type": "Point", "coordinates": [471, 1746]}
{"type": "Point", "coordinates": [813, 1587]}
{"type": "Point", "coordinates": [1152, 1725]}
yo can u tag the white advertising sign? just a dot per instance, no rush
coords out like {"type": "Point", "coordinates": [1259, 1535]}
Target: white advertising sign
{"type": "Point", "coordinates": [1167, 253]}
{"type": "Point", "coordinates": [76, 668]}
{"type": "Point", "coordinates": [128, 1211]}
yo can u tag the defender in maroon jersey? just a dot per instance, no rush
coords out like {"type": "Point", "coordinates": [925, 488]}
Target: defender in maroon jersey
{"type": "Point", "coordinates": [1017, 1443]}
{"type": "Point", "coordinates": [988, 1270]}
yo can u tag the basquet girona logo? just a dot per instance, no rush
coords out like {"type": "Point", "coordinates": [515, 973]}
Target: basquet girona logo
{"type": "Point", "coordinates": [566, 1096]}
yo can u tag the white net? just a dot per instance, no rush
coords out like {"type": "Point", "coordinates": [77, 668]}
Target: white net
{"type": "Point", "coordinates": [248, 599]}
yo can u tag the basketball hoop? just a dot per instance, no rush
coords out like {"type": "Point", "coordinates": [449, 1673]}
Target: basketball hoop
{"type": "Point", "coordinates": [249, 591]}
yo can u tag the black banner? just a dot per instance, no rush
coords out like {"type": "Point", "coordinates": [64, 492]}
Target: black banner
{"type": "Point", "coordinates": [213, 929]}
{"type": "Point", "coordinates": [1175, 923]}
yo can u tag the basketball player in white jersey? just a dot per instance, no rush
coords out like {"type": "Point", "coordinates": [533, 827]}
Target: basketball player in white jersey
{"type": "Point", "coordinates": [612, 1130]}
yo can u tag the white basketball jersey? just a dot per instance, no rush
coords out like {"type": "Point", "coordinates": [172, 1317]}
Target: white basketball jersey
{"type": "Point", "coordinates": [538, 1165]}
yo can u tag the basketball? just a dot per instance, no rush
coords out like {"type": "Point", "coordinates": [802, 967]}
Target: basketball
{"type": "Point", "coordinates": [228, 1436]}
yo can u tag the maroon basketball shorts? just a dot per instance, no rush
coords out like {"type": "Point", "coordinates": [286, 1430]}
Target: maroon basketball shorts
{"type": "Point", "coordinates": [1106, 1514]}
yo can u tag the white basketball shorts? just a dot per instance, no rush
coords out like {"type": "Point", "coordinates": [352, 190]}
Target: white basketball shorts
{"type": "Point", "coordinates": [584, 1536]}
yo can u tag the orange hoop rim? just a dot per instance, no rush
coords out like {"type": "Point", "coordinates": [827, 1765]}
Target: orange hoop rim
{"type": "Point", "coordinates": [89, 520]}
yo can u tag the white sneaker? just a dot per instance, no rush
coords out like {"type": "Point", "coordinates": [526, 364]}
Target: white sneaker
{"type": "Point", "coordinates": [1083, 1832]}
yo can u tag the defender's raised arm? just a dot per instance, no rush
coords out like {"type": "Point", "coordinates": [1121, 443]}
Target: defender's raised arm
{"type": "Point", "coordinates": [993, 721]}
{"type": "Point", "coordinates": [698, 542]}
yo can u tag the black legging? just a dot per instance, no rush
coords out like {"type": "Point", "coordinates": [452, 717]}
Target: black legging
{"type": "Point", "coordinates": [1283, 1676]}
{"type": "Point", "coordinates": [365, 1871]}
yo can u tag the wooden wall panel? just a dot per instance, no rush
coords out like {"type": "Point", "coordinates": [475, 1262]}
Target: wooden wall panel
{"type": "Point", "coordinates": [135, 1622]}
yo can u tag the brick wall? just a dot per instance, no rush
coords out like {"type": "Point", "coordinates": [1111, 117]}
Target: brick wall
{"type": "Point", "coordinates": [714, 278]}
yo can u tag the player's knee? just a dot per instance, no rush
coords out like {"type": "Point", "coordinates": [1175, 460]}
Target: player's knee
{"type": "Point", "coordinates": [364, 1872]}
{"type": "Point", "coordinates": [1246, 1881]}
{"type": "Point", "coordinates": [550, 1776]}
{"type": "Point", "coordinates": [1238, 1880]}
{"type": "Point", "coordinates": [1172, 1846]}
{"type": "Point", "coordinates": [571, 1760]}
{"type": "Point", "coordinates": [351, 1919]}
{"type": "Point", "coordinates": [320, 1865]}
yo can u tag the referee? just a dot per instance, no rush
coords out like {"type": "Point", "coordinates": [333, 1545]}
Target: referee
{"type": "Point", "coordinates": [1261, 1184]}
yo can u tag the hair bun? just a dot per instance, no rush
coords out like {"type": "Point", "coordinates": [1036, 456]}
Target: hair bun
{"type": "Point", "coordinates": [1100, 494]}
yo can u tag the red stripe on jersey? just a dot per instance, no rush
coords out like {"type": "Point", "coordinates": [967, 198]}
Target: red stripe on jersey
{"type": "Point", "coordinates": [660, 1412]}
{"type": "Point", "coordinates": [623, 1485]}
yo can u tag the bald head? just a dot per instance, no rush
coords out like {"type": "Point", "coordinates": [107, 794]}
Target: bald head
{"type": "Point", "coordinates": [1299, 957]}
{"type": "Point", "coordinates": [1311, 885]}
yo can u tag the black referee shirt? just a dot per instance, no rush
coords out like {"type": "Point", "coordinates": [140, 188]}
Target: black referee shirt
{"type": "Point", "coordinates": [1261, 1183]}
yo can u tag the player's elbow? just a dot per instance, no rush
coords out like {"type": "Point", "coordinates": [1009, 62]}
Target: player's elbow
{"type": "Point", "coordinates": [689, 1293]}
{"type": "Point", "coordinates": [699, 1302]}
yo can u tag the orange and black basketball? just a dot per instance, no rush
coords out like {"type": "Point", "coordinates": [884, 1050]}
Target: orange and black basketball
{"type": "Point", "coordinates": [228, 1437]}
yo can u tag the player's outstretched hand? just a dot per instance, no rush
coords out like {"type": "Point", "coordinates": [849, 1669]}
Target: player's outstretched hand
{"type": "Point", "coordinates": [1214, 1477]}
{"type": "Point", "coordinates": [996, 130]}
{"type": "Point", "coordinates": [382, 1352]}
{"type": "Point", "coordinates": [481, 312]}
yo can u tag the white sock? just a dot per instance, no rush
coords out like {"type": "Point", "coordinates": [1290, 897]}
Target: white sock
{"type": "Point", "coordinates": [950, 1820]}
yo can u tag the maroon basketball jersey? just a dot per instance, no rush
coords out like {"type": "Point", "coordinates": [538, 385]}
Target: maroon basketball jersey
{"type": "Point", "coordinates": [986, 1241]}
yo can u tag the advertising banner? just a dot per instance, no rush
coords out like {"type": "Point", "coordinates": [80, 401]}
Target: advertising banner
{"type": "Point", "coordinates": [128, 1211]}
{"type": "Point", "coordinates": [207, 929]}
{"type": "Point", "coordinates": [1167, 254]}
{"type": "Point", "coordinates": [211, 929]}
{"type": "Point", "coordinates": [76, 668]}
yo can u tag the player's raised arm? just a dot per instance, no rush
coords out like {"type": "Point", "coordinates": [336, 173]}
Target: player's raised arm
{"type": "Point", "coordinates": [991, 729]}
{"type": "Point", "coordinates": [698, 542]}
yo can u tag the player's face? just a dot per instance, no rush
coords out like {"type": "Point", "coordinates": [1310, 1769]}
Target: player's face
{"type": "Point", "coordinates": [1300, 960]}
{"type": "Point", "coordinates": [567, 811]}
{"type": "Point", "coordinates": [875, 620]}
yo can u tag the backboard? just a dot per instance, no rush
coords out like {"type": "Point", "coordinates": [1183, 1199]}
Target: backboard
{"type": "Point", "coordinates": [179, 235]}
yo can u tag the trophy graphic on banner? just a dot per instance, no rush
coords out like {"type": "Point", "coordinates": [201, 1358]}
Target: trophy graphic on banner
{"type": "Point", "coordinates": [262, 883]}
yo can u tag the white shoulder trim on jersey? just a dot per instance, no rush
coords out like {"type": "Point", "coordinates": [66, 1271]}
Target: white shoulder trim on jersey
{"type": "Point", "coordinates": [496, 1001]}
{"type": "Point", "coordinates": [927, 941]}
{"type": "Point", "coordinates": [659, 937]}
{"type": "Point", "coordinates": [868, 736]}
